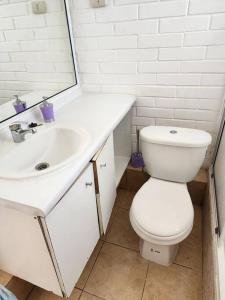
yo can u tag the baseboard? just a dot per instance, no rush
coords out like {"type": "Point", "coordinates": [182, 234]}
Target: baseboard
{"type": "Point", "coordinates": [211, 276]}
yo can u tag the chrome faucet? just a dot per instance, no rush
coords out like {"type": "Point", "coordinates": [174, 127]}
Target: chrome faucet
{"type": "Point", "coordinates": [18, 133]}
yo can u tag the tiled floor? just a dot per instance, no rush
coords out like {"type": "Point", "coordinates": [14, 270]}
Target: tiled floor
{"type": "Point", "coordinates": [116, 271]}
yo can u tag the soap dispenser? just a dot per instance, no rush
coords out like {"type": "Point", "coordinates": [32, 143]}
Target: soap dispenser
{"type": "Point", "coordinates": [19, 105]}
{"type": "Point", "coordinates": [47, 110]}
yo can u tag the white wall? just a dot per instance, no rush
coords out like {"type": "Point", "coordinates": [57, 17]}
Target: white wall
{"type": "Point", "coordinates": [171, 54]}
{"type": "Point", "coordinates": [34, 49]}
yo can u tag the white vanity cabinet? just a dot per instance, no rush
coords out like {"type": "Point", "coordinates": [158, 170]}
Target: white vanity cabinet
{"type": "Point", "coordinates": [72, 229]}
{"type": "Point", "coordinates": [52, 252]}
{"type": "Point", "coordinates": [105, 182]}
{"type": "Point", "coordinates": [109, 164]}
{"type": "Point", "coordinates": [122, 145]}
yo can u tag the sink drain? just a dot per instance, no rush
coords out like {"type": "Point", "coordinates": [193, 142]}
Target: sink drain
{"type": "Point", "coordinates": [42, 166]}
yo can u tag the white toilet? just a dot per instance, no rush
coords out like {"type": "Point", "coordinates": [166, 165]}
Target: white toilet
{"type": "Point", "coordinates": [162, 212]}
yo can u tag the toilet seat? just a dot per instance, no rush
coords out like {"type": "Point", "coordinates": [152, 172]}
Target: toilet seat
{"type": "Point", "coordinates": [162, 212]}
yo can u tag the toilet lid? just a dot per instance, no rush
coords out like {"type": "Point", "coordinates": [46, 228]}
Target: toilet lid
{"type": "Point", "coordinates": [163, 208]}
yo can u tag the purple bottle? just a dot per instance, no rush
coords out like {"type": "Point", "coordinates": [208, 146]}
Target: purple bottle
{"type": "Point", "coordinates": [19, 105]}
{"type": "Point", "coordinates": [47, 111]}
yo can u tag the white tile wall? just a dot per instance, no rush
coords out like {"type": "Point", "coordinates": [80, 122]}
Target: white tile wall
{"type": "Point", "coordinates": [34, 49]}
{"type": "Point", "coordinates": [170, 54]}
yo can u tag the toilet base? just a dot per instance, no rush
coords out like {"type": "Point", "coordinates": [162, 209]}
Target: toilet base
{"type": "Point", "coordinates": [160, 254]}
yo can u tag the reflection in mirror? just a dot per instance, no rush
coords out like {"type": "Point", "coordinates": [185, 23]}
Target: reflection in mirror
{"type": "Point", "coordinates": [35, 53]}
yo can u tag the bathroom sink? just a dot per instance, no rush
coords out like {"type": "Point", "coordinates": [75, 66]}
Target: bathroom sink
{"type": "Point", "coordinates": [44, 152]}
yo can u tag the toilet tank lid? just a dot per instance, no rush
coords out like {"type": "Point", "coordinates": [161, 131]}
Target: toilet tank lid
{"type": "Point", "coordinates": [175, 136]}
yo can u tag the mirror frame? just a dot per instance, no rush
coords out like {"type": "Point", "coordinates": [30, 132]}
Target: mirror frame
{"type": "Point", "coordinates": [74, 61]}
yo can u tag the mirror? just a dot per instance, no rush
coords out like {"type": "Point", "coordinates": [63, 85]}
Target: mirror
{"type": "Point", "coordinates": [36, 58]}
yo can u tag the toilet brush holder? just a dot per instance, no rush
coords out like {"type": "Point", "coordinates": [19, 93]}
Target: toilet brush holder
{"type": "Point", "coordinates": [136, 157]}
{"type": "Point", "coordinates": [137, 160]}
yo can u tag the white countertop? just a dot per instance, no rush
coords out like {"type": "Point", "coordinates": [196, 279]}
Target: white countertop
{"type": "Point", "coordinates": [98, 114]}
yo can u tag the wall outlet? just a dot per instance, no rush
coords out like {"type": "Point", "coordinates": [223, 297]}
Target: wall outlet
{"type": "Point", "coordinates": [39, 7]}
{"type": "Point", "coordinates": [97, 3]}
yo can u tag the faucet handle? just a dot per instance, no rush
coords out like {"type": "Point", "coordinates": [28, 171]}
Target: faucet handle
{"type": "Point", "coordinates": [34, 125]}
{"type": "Point", "coordinates": [15, 126]}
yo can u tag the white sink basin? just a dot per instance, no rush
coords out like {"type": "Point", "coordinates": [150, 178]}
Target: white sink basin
{"type": "Point", "coordinates": [44, 152]}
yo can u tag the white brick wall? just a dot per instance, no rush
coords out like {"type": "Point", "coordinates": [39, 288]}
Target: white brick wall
{"type": "Point", "coordinates": [34, 49]}
{"type": "Point", "coordinates": [170, 54]}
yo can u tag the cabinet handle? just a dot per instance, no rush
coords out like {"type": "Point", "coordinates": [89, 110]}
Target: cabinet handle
{"type": "Point", "coordinates": [103, 165]}
{"type": "Point", "coordinates": [88, 184]}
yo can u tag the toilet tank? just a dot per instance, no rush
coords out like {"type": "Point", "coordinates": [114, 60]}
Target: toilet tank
{"type": "Point", "coordinates": [173, 153]}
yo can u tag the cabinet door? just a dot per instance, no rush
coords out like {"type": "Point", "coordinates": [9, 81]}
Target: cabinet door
{"type": "Point", "coordinates": [73, 229]}
{"type": "Point", "coordinates": [106, 182]}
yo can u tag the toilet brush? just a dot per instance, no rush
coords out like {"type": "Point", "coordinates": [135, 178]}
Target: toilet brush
{"type": "Point", "coordinates": [136, 157]}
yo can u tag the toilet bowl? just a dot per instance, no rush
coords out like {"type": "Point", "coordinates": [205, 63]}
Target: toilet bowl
{"type": "Point", "coordinates": [162, 213]}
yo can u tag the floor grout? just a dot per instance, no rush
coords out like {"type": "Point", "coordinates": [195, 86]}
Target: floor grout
{"type": "Point", "coordinates": [28, 296]}
{"type": "Point", "coordinates": [187, 267]}
{"type": "Point", "coordinates": [114, 244]}
{"type": "Point", "coordinates": [145, 282]}
{"type": "Point", "coordinates": [123, 208]}
{"type": "Point", "coordinates": [91, 295]}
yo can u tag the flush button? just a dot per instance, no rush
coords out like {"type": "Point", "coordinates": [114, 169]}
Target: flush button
{"type": "Point", "coordinates": [173, 131]}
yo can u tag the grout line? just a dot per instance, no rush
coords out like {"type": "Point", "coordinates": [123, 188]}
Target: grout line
{"type": "Point", "coordinates": [80, 295]}
{"type": "Point", "coordinates": [92, 295]}
{"type": "Point", "coordinates": [28, 296]}
{"type": "Point", "coordinates": [121, 246]}
{"type": "Point", "coordinates": [11, 278]}
{"type": "Point", "coordinates": [124, 208]}
{"type": "Point", "coordinates": [145, 282]}
{"type": "Point", "coordinates": [75, 288]}
{"type": "Point", "coordinates": [183, 266]}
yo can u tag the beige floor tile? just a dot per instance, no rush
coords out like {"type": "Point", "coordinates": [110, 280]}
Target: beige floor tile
{"type": "Point", "coordinates": [135, 179]}
{"type": "Point", "coordinates": [124, 198]}
{"type": "Point", "coordinates": [197, 191]}
{"type": "Point", "coordinates": [40, 294]}
{"type": "Point", "coordinates": [172, 283]}
{"type": "Point", "coordinates": [87, 270]}
{"type": "Point", "coordinates": [4, 277]}
{"type": "Point", "coordinates": [86, 296]}
{"type": "Point", "coordinates": [121, 231]}
{"type": "Point", "coordinates": [118, 274]}
{"type": "Point", "coordinates": [190, 250]}
{"type": "Point", "coordinates": [190, 255]}
{"type": "Point", "coordinates": [20, 288]}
